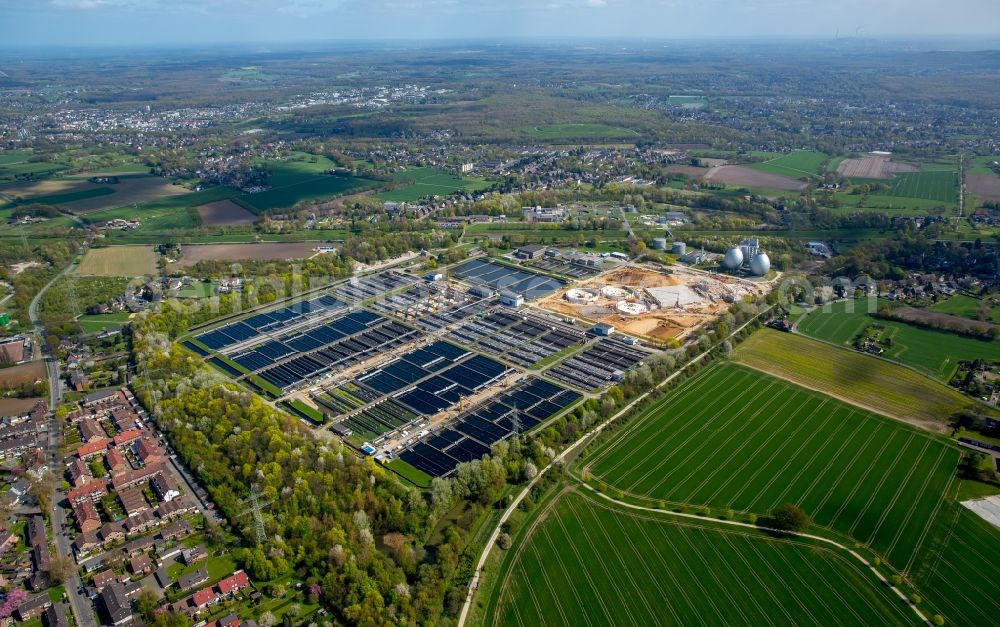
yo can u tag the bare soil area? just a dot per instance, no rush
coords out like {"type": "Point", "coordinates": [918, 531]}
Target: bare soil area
{"type": "Point", "coordinates": [16, 406]}
{"type": "Point", "coordinates": [690, 170]}
{"type": "Point", "coordinates": [872, 167]}
{"type": "Point", "coordinates": [22, 373]}
{"type": "Point", "coordinates": [194, 253]}
{"type": "Point", "coordinates": [225, 213]}
{"type": "Point", "coordinates": [738, 175]}
{"type": "Point", "coordinates": [986, 186]}
{"type": "Point", "coordinates": [130, 189]}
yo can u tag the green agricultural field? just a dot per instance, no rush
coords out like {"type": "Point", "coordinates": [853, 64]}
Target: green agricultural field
{"type": "Point", "coordinates": [796, 165]}
{"type": "Point", "coordinates": [688, 102]}
{"type": "Point", "coordinates": [967, 307]}
{"type": "Point", "coordinates": [587, 562]}
{"type": "Point", "coordinates": [164, 214]}
{"type": "Point", "coordinates": [874, 383]}
{"type": "Point", "coordinates": [734, 438]}
{"type": "Point", "coordinates": [556, 232]}
{"type": "Point", "coordinates": [938, 185]}
{"type": "Point", "coordinates": [318, 187]}
{"type": "Point", "coordinates": [301, 177]}
{"type": "Point", "coordinates": [99, 322]}
{"type": "Point", "coordinates": [430, 182]}
{"type": "Point", "coordinates": [891, 205]}
{"type": "Point", "coordinates": [556, 132]}
{"type": "Point", "coordinates": [198, 289]}
{"type": "Point", "coordinates": [118, 261]}
{"type": "Point", "coordinates": [15, 163]}
{"type": "Point", "coordinates": [933, 352]}
{"type": "Point", "coordinates": [958, 576]}
{"type": "Point", "coordinates": [68, 197]}
{"type": "Point", "coordinates": [976, 165]}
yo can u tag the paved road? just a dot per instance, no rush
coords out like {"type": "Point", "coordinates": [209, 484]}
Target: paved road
{"type": "Point", "coordinates": [474, 584]}
{"type": "Point", "coordinates": [80, 604]}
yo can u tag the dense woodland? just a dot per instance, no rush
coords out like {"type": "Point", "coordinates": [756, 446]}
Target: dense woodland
{"type": "Point", "coordinates": [915, 250]}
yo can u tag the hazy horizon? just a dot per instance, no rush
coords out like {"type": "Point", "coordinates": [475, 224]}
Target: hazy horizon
{"type": "Point", "coordinates": [118, 23]}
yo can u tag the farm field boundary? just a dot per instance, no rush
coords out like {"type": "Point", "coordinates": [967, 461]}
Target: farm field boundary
{"type": "Point", "coordinates": [863, 380]}
{"type": "Point", "coordinates": [934, 352]}
{"type": "Point", "coordinates": [734, 438]}
{"type": "Point", "coordinates": [119, 261]}
{"type": "Point", "coordinates": [585, 547]}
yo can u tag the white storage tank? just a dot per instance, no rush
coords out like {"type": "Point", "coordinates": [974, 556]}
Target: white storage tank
{"type": "Point", "coordinates": [679, 248]}
{"type": "Point", "coordinates": [659, 243]}
{"type": "Point", "coordinates": [761, 264]}
{"type": "Point", "coordinates": [734, 258]}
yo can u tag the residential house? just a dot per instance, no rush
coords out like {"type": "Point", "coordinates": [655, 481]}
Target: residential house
{"type": "Point", "coordinates": [41, 558]}
{"type": "Point", "coordinates": [78, 473]}
{"type": "Point", "coordinates": [127, 437]}
{"type": "Point", "coordinates": [34, 606]}
{"type": "Point", "coordinates": [133, 500]}
{"type": "Point", "coordinates": [125, 418]}
{"type": "Point", "coordinates": [15, 447]}
{"type": "Point", "coordinates": [164, 488]}
{"type": "Point", "coordinates": [56, 615]}
{"type": "Point", "coordinates": [229, 620]}
{"type": "Point", "coordinates": [111, 532]}
{"type": "Point", "coordinates": [87, 518]}
{"type": "Point", "coordinates": [138, 545]}
{"type": "Point", "coordinates": [148, 451]}
{"type": "Point", "coordinates": [194, 554]}
{"type": "Point", "coordinates": [140, 564]}
{"type": "Point", "coordinates": [90, 430]}
{"type": "Point", "coordinates": [162, 578]}
{"type": "Point", "coordinates": [85, 543]}
{"type": "Point", "coordinates": [36, 531]}
{"type": "Point", "coordinates": [233, 584]}
{"type": "Point", "coordinates": [175, 530]}
{"type": "Point", "coordinates": [115, 461]}
{"type": "Point", "coordinates": [102, 579]}
{"type": "Point", "coordinates": [94, 447]}
{"type": "Point", "coordinates": [191, 580]}
{"type": "Point", "coordinates": [133, 477]}
{"type": "Point", "coordinates": [203, 598]}
{"type": "Point", "coordinates": [117, 606]}
{"type": "Point", "coordinates": [78, 381]}
{"type": "Point", "coordinates": [104, 398]}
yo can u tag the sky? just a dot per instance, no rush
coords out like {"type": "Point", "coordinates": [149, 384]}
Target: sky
{"type": "Point", "coordinates": [45, 23]}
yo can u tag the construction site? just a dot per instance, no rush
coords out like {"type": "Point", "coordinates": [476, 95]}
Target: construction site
{"type": "Point", "coordinates": [648, 303]}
